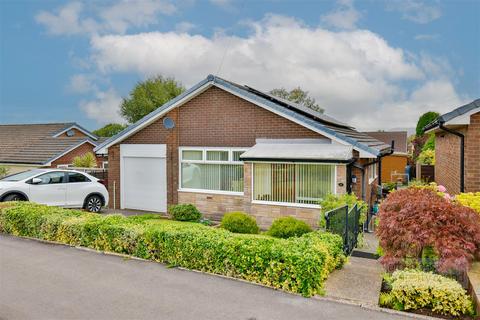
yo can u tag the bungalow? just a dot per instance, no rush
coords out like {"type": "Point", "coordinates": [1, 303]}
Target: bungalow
{"type": "Point", "coordinates": [51, 145]}
{"type": "Point", "coordinates": [457, 148]}
{"type": "Point", "coordinates": [228, 147]}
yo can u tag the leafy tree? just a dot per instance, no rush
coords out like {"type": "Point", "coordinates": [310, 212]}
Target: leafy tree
{"type": "Point", "coordinates": [147, 96]}
{"type": "Point", "coordinates": [425, 119]}
{"type": "Point", "coordinates": [430, 143]}
{"type": "Point", "coordinates": [417, 219]}
{"type": "Point", "coordinates": [88, 160]}
{"type": "Point", "coordinates": [109, 130]}
{"type": "Point", "coordinates": [299, 96]}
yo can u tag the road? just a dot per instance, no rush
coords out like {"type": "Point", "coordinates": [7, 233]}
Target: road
{"type": "Point", "coordinates": [46, 281]}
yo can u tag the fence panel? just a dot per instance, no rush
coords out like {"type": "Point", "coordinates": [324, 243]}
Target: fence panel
{"type": "Point", "coordinates": [345, 223]}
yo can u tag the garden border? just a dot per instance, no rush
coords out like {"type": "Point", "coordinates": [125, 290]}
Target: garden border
{"type": "Point", "coordinates": [316, 297]}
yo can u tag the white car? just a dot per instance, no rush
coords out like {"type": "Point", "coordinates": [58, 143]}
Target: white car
{"type": "Point", "coordinates": [53, 187]}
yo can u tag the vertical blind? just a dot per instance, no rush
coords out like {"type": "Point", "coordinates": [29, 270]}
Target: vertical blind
{"type": "Point", "coordinates": [292, 183]}
{"type": "Point", "coordinates": [216, 170]}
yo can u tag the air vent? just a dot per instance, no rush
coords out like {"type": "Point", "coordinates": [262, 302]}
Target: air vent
{"type": "Point", "coordinates": [70, 133]}
{"type": "Point", "coordinates": [168, 123]}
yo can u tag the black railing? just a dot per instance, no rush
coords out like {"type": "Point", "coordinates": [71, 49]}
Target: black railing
{"type": "Point", "coordinates": [345, 223]}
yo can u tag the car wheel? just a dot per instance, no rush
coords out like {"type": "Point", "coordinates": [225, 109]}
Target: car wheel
{"type": "Point", "coordinates": [93, 204]}
{"type": "Point", "coordinates": [14, 197]}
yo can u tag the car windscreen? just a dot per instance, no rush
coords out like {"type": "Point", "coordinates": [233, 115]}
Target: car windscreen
{"type": "Point", "coordinates": [21, 175]}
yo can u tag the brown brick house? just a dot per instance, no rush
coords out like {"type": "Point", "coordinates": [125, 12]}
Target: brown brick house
{"type": "Point", "coordinates": [28, 146]}
{"type": "Point", "coordinates": [457, 148]}
{"type": "Point", "coordinates": [393, 166]}
{"type": "Point", "coordinates": [226, 147]}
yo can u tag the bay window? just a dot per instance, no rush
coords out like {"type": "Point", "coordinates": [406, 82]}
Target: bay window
{"type": "Point", "coordinates": [297, 183]}
{"type": "Point", "coordinates": [211, 169]}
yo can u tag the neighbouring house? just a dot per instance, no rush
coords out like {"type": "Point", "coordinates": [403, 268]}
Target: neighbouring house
{"type": "Point", "coordinates": [54, 145]}
{"type": "Point", "coordinates": [227, 147]}
{"type": "Point", "coordinates": [393, 166]}
{"type": "Point", "coordinates": [457, 148]}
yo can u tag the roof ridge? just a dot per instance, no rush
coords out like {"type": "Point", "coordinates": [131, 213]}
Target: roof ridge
{"type": "Point", "coordinates": [37, 124]}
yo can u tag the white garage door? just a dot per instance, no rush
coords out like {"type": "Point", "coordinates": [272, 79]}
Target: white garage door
{"type": "Point", "coordinates": [143, 177]}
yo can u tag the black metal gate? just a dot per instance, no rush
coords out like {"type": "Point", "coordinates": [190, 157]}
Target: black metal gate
{"type": "Point", "coordinates": [345, 223]}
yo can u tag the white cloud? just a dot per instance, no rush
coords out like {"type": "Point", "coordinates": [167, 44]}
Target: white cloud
{"type": "Point", "coordinates": [418, 11]}
{"type": "Point", "coordinates": [345, 16]}
{"type": "Point", "coordinates": [184, 27]}
{"type": "Point", "coordinates": [427, 36]}
{"type": "Point", "coordinates": [82, 83]}
{"type": "Point", "coordinates": [356, 75]}
{"type": "Point", "coordinates": [104, 108]}
{"type": "Point", "coordinates": [75, 18]}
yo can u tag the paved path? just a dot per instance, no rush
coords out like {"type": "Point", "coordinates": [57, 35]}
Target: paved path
{"type": "Point", "coordinates": [359, 280]}
{"type": "Point", "coordinates": [42, 281]}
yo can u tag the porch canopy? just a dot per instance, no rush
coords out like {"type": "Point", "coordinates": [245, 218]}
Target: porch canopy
{"type": "Point", "coordinates": [298, 150]}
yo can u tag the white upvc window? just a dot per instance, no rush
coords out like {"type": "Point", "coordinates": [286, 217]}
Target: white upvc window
{"type": "Point", "coordinates": [372, 172]}
{"type": "Point", "coordinates": [64, 166]}
{"type": "Point", "coordinates": [211, 170]}
{"type": "Point", "coordinates": [297, 184]}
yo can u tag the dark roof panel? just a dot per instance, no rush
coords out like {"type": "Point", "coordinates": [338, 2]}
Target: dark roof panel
{"type": "Point", "coordinates": [453, 114]}
{"type": "Point", "coordinates": [35, 143]}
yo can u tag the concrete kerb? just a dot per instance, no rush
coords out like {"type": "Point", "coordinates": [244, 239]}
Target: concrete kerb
{"type": "Point", "coordinates": [335, 300]}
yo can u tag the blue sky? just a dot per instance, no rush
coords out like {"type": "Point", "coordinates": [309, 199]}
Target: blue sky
{"type": "Point", "coordinates": [373, 64]}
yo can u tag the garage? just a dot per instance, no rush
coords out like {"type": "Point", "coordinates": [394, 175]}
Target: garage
{"type": "Point", "coordinates": [143, 173]}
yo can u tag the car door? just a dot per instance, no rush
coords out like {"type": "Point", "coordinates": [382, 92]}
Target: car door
{"type": "Point", "coordinates": [51, 190]}
{"type": "Point", "coordinates": [78, 187]}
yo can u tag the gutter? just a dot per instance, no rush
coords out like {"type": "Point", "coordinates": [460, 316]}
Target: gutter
{"type": "Point", "coordinates": [462, 153]}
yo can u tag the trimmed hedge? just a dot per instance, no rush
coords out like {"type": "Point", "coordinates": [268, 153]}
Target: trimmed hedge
{"type": "Point", "coordinates": [288, 227]}
{"type": "Point", "coordinates": [298, 265]}
{"type": "Point", "coordinates": [184, 212]}
{"type": "Point", "coordinates": [414, 289]}
{"type": "Point", "coordinates": [239, 222]}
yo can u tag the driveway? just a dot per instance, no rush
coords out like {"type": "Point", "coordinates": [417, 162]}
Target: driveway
{"type": "Point", "coordinates": [43, 281]}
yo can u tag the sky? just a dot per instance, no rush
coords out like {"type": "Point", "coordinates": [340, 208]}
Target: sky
{"type": "Point", "coordinates": [372, 64]}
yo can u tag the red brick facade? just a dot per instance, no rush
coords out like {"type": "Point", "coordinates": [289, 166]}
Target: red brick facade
{"type": "Point", "coordinates": [214, 118]}
{"type": "Point", "coordinates": [79, 151]}
{"type": "Point", "coordinates": [447, 157]}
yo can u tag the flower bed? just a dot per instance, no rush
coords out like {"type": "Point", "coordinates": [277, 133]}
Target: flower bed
{"type": "Point", "coordinates": [298, 265]}
{"type": "Point", "coordinates": [421, 291]}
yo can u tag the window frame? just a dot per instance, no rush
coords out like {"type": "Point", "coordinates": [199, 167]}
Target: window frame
{"type": "Point", "coordinates": [205, 161]}
{"type": "Point", "coordinates": [372, 172]}
{"type": "Point", "coordinates": [292, 204]}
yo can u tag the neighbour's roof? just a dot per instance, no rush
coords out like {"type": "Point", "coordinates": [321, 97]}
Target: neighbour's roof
{"type": "Point", "coordinates": [399, 138]}
{"type": "Point", "coordinates": [269, 150]}
{"type": "Point", "coordinates": [38, 144]}
{"type": "Point", "coordinates": [321, 123]}
{"type": "Point", "coordinates": [472, 106]}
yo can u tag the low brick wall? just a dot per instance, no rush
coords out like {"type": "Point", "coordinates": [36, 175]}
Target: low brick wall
{"type": "Point", "coordinates": [214, 206]}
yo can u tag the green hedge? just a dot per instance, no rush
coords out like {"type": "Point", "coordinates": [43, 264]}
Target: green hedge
{"type": "Point", "coordinates": [415, 289]}
{"type": "Point", "coordinates": [298, 265]}
{"type": "Point", "coordinates": [287, 227]}
{"type": "Point", "coordinates": [239, 222]}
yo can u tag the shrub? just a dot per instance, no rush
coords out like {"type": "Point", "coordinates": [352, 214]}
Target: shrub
{"type": "Point", "coordinates": [88, 160]}
{"type": "Point", "coordinates": [332, 201]}
{"type": "Point", "coordinates": [470, 199]}
{"type": "Point", "coordinates": [415, 219]}
{"type": "Point", "coordinates": [3, 171]}
{"type": "Point", "coordinates": [184, 212]}
{"type": "Point", "coordinates": [298, 265]}
{"type": "Point", "coordinates": [239, 222]}
{"type": "Point", "coordinates": [427, 157]}
{"type": "Point", "coordinates": [414, 289]}
{"type": "Point", "coordinates": [287, 227]}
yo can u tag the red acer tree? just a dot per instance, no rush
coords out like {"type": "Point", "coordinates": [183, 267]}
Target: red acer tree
{"type": "Point", "coordinates": [414, 219]}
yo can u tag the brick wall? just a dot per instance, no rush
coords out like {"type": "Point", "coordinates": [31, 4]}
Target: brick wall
{"type": "Point", "coordinates": [215, 118]}
{"type": "Point", "coordinates": [80, 151]}
{"type": "Point", "coordinates": [447, 157]}
{"type": "Point", "coordinates": [472, 155]}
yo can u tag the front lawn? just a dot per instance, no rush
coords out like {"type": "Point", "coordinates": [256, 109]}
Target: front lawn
{"type": "Point", "coordinates": [299, 265]}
